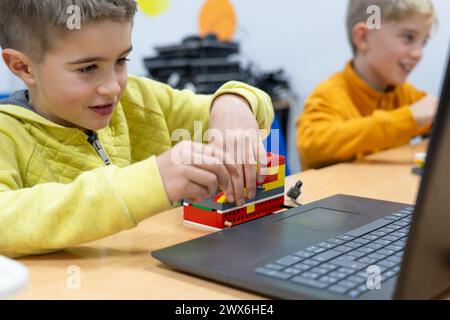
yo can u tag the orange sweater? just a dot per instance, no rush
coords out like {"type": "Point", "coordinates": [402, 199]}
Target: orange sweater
{"type": "Point", "coordinates": [344, 118]}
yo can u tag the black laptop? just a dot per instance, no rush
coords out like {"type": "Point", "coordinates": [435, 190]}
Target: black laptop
{"type": "Point", "coordinates": [342, 247]}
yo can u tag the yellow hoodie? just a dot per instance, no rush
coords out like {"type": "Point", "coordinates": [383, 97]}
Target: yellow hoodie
{"type": "Point", "coordinates": [345, 118]}
{"type": "Point", "coordinates": [56, 191]}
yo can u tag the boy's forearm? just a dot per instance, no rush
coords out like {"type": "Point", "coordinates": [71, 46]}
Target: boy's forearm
{"type": "Point", "coordinates": [52, 216]}
{"type": "Point", "coordinates": [230, 105]}
{"type": "Point", "coordinates": [259, 101]}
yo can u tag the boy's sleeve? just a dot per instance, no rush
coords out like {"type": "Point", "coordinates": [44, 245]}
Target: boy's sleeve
{"type": "Point", "coordinates": [52, 216]}
{"type": "Point", "coordinates": [325, 137]}
{"type": "Point", "coordinates": [182, 107]}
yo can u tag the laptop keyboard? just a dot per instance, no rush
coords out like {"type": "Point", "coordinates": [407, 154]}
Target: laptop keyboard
{"type": "Point", "coordinates": [339, 265]}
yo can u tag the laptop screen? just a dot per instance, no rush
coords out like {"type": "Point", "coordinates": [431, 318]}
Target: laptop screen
{"type": "Point", "coordinates": [426, 264]}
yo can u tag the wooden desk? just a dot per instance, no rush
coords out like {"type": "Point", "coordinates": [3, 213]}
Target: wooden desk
{"type": "Point", "coordinates": [120, 266]}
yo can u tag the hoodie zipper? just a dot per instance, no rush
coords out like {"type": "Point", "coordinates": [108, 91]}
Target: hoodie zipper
{"type": "Point", "coordinates": [95, 142]}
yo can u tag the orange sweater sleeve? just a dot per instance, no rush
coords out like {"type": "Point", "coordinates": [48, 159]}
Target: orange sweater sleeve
{"type": "Point", "coordinates": [330, 130]}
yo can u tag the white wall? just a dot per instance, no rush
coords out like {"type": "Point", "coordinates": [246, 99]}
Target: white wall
{"type": "Point", "coordinates": [307, 38]}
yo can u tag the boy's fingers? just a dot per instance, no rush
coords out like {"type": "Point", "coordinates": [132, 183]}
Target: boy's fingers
{"type": "Point", "coordinates": [261, 154]}
{"type": "Point", "coordinates": [219, 169]}
{"type": "Point", "coordinates": [213, 151]}
{"type": "Point", "coordinates": [195, 192]}
{"type": "Point", "coordinates": [235, 192]}
{"type": "Point", "coordinates": [235, 175]}
{"type": "Point", "coordinates": [211, 155]}
{"type": "Point", "coordinates": [238, 185]}
{"type": "Point", "coordinates": [250, 180]}
{"type": "Point", "coordinates": [203, 178]}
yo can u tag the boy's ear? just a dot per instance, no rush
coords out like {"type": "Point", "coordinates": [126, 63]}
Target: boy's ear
{"type": "Point", "coordinates": [359, 35]}
{"type": "Point", "coordinates": [19, 64]}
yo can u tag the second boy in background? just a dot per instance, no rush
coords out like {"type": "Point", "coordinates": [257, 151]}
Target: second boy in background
{"type": "Point", "coordinates": [369, 106]}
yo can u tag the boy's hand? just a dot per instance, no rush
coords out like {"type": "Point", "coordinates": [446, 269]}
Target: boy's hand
{"type": "Point", "coordinates": [234, 129]}
{"type": "Point", "coordinates": [195, 171]}
{"type": "Point", "coordinates": [424, 110]}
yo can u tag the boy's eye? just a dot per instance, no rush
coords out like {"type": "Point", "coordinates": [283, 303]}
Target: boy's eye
{"type": "Point", "coordinates": [122, 62]}
{"type": "Point", "coordinates": [410, 38]}
{"type": "Point", "coordinates": [88, 69]}
{"type": "Point", "coordinates": [92, 68]}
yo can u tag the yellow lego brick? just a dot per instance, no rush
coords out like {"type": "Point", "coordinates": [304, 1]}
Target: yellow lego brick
{"type": "Point", "coordinates": [279, 182]}
{"type": "Point", "coordinates": [250, 208]}
{"type": "Point", "coordinates": [222, 199]}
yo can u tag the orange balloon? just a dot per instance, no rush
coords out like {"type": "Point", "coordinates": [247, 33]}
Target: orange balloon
{"type": "Point", "coordinates": [219, 17]}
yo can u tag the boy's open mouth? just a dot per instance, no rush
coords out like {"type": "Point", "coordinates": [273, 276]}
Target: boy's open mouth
{"type": "Point", "coordinates": [103, 110]}
{"type": "Point", "coordinates": [407, 68]}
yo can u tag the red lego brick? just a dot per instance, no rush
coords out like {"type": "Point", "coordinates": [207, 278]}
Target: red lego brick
{"type": "Point", "coordinates": [268, 179]}
{"type": "Point", "coordinates": [217, 196]}
{"type": "Point", "coordinates": [261, 209]}
{"type": "Point", "coordinates": [275, 159]}
{"type": "Point", "coordinates": [209, 218]}
{"type": "Point", "coordinates": [238, 216]}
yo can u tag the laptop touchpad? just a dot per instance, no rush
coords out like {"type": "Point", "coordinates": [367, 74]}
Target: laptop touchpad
{"type": "Point", "coordinates": [324, 219]}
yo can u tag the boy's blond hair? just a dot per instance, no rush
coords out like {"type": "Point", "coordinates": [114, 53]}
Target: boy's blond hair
{"type": "Point", "coordinates": [391, 10]}
{"type": "Point", "coordinates": [31, 26]}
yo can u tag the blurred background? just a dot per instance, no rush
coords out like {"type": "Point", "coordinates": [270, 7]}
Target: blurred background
{"type": "Point", "coordinates": [286, 47]}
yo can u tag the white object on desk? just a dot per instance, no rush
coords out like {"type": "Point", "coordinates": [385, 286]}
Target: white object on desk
{"type": "Point", "coordinates": [13, 277]}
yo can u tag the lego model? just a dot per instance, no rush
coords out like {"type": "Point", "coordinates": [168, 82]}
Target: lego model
{"type": "Point", "coordinates": [216, 213]}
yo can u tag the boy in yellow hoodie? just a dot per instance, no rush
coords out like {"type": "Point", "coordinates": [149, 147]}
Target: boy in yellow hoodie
{"type": "Point", "coordinates": [87, 151]}
{"type": "Point", "coordinates": [369, 106]}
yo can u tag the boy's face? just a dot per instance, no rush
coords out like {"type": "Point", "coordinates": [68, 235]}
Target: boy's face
{"type": "Point", "coordinates": [393, 51]}
{"type": "Point", "coordinates": [83, 76]}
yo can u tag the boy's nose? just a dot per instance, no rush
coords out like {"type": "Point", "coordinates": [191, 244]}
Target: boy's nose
{"type": "Point", "coordinates": [110, 87]}
{"type": "Point", "coordinates": [417, 52]}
